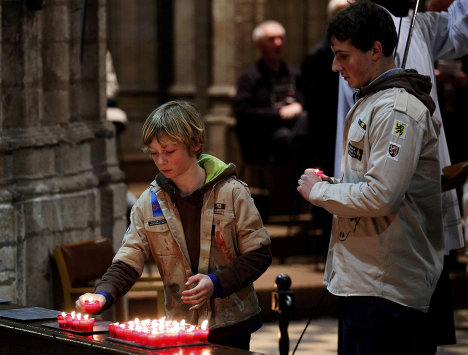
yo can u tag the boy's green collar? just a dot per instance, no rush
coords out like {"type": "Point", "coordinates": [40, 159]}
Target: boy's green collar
{"type": "Point", "coordinates": [212, 165]}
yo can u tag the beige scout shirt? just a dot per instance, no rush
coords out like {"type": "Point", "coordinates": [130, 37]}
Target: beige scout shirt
{"type": "Point", "coordinates": [158, 232]}
{"type": "Point", "coordinates": [387, 233]}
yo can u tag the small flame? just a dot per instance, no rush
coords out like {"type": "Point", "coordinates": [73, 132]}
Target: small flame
{"type": "Point", "coordinates": [204, 324]}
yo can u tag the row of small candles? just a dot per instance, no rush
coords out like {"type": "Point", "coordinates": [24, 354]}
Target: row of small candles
{"type": "Point", "coordinates": [75, 321]}
{"type": "Point", "coordinates": [159, 332]}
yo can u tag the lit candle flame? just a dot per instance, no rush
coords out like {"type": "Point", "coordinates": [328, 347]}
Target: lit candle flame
{"type": "Point", "coordinates": [204, 324]}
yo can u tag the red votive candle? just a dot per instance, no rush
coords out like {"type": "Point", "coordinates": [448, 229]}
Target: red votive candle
{"type": "Point", "coordinates": [129, 334]}
{"type": "Point", "coordinates": [87, 324]}
{"type": "Point", "coordinates": [156, 339]}
{"type": "Point", "coordinates": [62, 321]}
{"type": "Point", "coordinates": [318, 173]}
{"type": "Point", "coordinates": [142, 337]}
{"type": "Point", "coordinates": [171, 338]}
{"type": "Point", "coordinates": [111, 328]}
{"type": "Point", "coordinates": [119, 331]}
{"type": "Point", "coordinates": [187, 335]}
{"type": "Point", "coordinates": [69, 319]}
{"type": "Point", "coordinates": [92, 306]}
{"type": "Point", "coordinates": [203, 332]}
{"type": "Point", "coordinates": [76, 322]}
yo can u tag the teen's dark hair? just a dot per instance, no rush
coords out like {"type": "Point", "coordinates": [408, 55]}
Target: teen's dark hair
{"type": "Point", "coordinates": [398, 8]}
{"type": "Point", "coordinates": [363, 23]}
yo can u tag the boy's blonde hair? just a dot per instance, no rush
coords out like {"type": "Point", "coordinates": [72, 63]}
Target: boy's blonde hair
{"type": "Point", "coordinates": [180, 121]}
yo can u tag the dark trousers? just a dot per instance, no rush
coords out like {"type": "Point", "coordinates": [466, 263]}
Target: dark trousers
{"type": "Point", "coordinates": [240, 342]}
{"type": "Point", "coordinates": [376, 326]}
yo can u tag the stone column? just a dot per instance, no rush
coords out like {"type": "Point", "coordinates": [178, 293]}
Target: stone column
{"type": "Point", "coordinates": [103, 148]}
{"type": "Point", "coordinates": [56, 155]}
{"type": "Point", "coordinates": [133, 37]}
{"type": "Point", "coordinates": [219, 120]}
{"type": "Point", "coordinates": [21, 99]}
{"type": "Point", "coordinates": [184, 49]}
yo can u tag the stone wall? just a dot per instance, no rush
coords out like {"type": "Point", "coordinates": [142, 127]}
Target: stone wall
{"type": "Point", "coordinates": [59, 175]}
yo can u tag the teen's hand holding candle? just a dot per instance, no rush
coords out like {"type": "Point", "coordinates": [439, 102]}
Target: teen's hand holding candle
{"type": "Point", "coordinates": [309, 179]}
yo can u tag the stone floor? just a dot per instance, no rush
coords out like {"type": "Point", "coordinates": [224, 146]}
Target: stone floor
{"type": "Point", "coordinates": [320, 337]}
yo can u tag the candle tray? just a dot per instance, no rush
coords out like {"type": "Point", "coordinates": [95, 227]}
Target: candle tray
{"type": "Point", "coordinates": [100, 326]}
{"type": "Point", "coordinates": [128, 342]}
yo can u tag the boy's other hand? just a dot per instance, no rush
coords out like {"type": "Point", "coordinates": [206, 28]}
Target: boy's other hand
{"type": "Point", "coordinates": [79, 304]}
{"type": "Point", "coordinates": [200, 293]}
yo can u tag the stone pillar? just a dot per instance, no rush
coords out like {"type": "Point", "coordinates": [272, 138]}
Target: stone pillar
{"type": "Point", "coordinates": [103, 148]}
{"type": "Point", "coordinates": [56, 155]}
{"type": "Point", "coordinates": [315, 22]}
{"type": "Point", "coordinates": [133, 38]}
{"type": "Point", "coordinates": [184, 49]}
{"type": "Point", "coordinates": [219, 120]}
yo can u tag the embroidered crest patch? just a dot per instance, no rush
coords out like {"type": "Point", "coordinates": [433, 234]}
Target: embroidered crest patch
{"type": "Point", "coordinates": [219, 208]}
{"type": "Point", "coordinates": [399, 129]}
{"type": "Point", "coordinates": [354, 152]}
{"type": "Point", "coordinates": [393, 151]}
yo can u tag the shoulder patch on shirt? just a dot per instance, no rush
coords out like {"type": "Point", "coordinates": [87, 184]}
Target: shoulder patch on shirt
{"type": "Point", "coordinates": [393, 151]}
{"type": "Point", "coordinates": [354, 152]}
{"type": "Point", "coordinates": [399, 129]}
{"type": "Point", "coordinates": [219, 208]}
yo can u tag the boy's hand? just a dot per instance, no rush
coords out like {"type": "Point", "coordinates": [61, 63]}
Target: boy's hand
{"type": "Point", "coordinates": [79, 304]}
{"type": "Point", "coordinates": [200, 293]}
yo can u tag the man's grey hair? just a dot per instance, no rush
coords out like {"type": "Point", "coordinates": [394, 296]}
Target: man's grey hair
{"type": "Point", "coordinates": [257, 33]}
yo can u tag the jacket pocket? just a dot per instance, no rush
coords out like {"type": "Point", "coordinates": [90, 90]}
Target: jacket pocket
{"type": "Point", "coordinates": [156, 225]}
{"type": "Point", "coordinates": [355, 147]}
{"type": "Point", "coordinates": [160, 237]}
{"type": "Point", "coordinates": [224, 239]}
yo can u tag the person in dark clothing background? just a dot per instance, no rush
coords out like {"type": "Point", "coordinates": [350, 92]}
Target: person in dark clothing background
{"type": "Point", "coordinates": [269, 106]}
{"type": "Point", "coordinates": [272, 124]}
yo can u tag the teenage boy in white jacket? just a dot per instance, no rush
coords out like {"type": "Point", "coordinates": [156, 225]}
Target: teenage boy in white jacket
{"type": "Point", "coordinates": [386, 249]}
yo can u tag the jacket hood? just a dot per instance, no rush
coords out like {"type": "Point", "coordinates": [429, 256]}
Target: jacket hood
{"type": "Point", "coordinates": [414, 83]}
{"type": "Point", "coordinates": [216, 170]}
